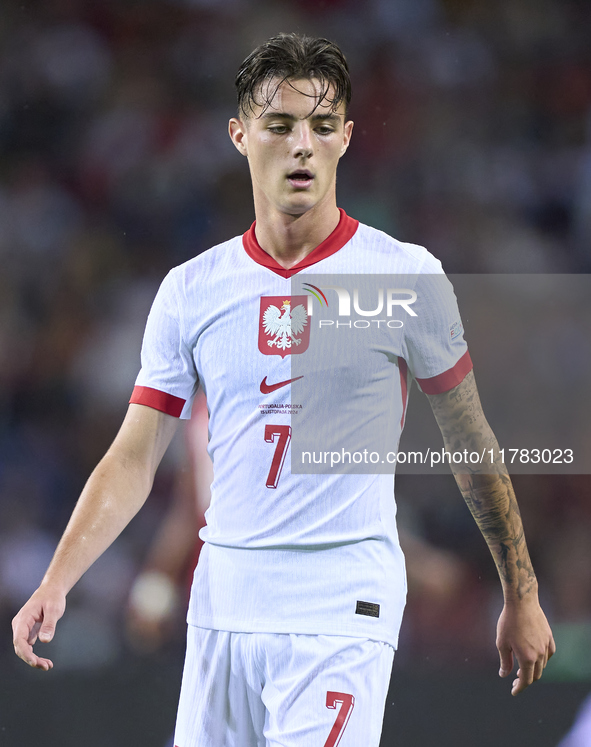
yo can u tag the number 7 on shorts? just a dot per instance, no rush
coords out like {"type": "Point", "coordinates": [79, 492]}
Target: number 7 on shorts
{"type": "Point", "coordinates": [347, 702]}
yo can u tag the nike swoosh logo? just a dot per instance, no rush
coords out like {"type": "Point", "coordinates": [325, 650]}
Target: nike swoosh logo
{"type": "Point", "coordinates": [267, 388]}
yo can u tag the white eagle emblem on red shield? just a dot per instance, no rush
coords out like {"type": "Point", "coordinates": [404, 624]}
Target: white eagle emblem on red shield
{"type": "Point", "coordinates": [283, 325]}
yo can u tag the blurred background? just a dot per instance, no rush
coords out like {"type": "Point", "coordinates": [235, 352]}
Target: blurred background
{"type": "Point", "coordinates": [472, 136]}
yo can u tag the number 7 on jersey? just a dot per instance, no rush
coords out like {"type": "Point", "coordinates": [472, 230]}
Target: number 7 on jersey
{"type": "Point", "coordinates": [346, 701]}
{"type": "Point", "coordinates": [284, 437]}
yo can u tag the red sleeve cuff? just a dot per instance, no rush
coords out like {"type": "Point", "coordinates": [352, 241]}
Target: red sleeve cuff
{"type": "Point", "coordinates": [447, 380]}
{"type": "Point", "coordinates": [168, 403]}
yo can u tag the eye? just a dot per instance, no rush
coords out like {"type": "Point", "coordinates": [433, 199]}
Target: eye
{"type": "Point", "coordinates": [278, 129]}
{"type": "Point", "coordinates": [324, 130]}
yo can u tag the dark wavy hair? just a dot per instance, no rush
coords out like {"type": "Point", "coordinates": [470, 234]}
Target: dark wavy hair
{"type": "Point", "coordinates": [288, 57]}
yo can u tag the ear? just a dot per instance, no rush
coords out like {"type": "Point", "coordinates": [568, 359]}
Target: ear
{"type": "Point", "coordinates": [348, 129]}
{"type": "Point", "coordinates": [237, 131]}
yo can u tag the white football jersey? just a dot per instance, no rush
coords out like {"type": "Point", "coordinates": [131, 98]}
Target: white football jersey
{"type": "Point", "coordinates": [287, 552]}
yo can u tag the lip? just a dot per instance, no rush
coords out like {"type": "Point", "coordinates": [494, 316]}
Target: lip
{"type": "Point", "coordinates": [300, 183]}
{"type": "Point", "coordinates": [309, 174]}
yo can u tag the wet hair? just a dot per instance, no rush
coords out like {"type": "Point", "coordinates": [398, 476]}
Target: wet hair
{"type": "Point", "coordinates": [288, 57]}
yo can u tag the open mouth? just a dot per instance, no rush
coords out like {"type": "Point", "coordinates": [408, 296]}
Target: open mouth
{"type": "Point", "coordinates": [300, 178]}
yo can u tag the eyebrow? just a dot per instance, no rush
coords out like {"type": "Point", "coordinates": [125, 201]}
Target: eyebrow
{"type": "Point", "coordinates": [332, 117]}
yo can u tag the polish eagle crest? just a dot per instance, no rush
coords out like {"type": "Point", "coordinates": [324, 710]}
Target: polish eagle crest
{"type": "Point", "coordinates": [284, 325]}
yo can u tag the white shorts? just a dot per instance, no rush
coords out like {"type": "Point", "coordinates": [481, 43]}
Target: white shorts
{"type": "Point", "coordinates": [282, 690]}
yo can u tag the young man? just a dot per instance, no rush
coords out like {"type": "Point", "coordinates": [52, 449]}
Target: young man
{"type": "Point", "coordinates": [299, 590]}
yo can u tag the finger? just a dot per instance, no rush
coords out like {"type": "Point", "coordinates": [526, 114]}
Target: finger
{"type": "Point", "coordinates": [506, 656]}
{"type": "Point", "coordinates": [539, 668]}
{"type": "Point", "coordinates": [51, 614]}
{"type": "Point", "coordinates": [32, 639]}
{"type": "Point", "coordinates": [47, 629]}
{"type": "Point", "coordinates": [23, 638]}
{"type": "Point", "coordinates": [525, 676]}
{"type": "Point", "coordinates": [37, 662]}
{"type": "Point", "coordinates": [24, 651]}
{"type": "Point", "coordinates": [550, 651]}
{"type": "Point", "coordinates": [25, 629]}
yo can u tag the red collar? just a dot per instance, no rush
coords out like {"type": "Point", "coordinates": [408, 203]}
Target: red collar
{"type": "Point", "coordinates": [344, 231]}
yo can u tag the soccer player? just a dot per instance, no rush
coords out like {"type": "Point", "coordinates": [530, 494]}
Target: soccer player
{"type": "Point", "coordinates": [298, 594]}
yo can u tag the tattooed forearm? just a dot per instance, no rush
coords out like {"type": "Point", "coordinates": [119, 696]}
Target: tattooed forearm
{"type": "Point", "coordinates": [461, 420]}
{"type": "Point", "coordinates": [494, 507]}
{"type": "Point", "coordinates": [486, 487]}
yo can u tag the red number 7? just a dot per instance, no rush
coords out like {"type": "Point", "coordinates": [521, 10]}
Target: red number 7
{"type": "Point", "coordinates": [284, 433]}
{"type": "Point", "coordinates": [347, 702]}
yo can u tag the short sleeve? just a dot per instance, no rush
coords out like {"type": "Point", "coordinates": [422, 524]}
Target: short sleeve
{"type": "Point", "coordinates": [434, 345]}
{"type": "Point", "coordinates": [167, 380]}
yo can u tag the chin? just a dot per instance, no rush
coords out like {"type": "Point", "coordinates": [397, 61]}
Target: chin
{"type": "Point", "coordinates": [299, 204]}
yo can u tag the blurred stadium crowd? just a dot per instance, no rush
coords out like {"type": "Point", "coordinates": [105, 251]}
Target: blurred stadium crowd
{"type": "Point", "coordinates": [472, 137]}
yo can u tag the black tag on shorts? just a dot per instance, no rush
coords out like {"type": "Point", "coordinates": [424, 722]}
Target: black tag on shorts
{"type": "Point", "coordinates": [367, 608]}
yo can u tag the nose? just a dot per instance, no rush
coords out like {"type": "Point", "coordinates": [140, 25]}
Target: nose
{"type": "Point", "coordinates": [303, 146]}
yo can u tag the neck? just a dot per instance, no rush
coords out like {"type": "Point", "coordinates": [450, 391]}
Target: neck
{"type": "Point", "coordinates": [290, 238]}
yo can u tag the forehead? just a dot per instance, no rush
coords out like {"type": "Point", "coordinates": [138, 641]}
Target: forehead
{"type": "Point", "coordinates": [300, 97]}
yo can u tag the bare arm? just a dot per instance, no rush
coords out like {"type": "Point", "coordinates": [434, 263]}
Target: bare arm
{"type": "Point", "coordinates": [175, 542]}
{"type": "Point", "coordinates": [488, 492]}
{"type": "Point", "coordinates": [162, 578]}
{"type": "Point", "coordinates": [114, 493]}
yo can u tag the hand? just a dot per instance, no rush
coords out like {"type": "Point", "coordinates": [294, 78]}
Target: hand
{"type": "Point", "coordinates": [523, 631]}
{"type": "Point", "coordinates": [37, 619]}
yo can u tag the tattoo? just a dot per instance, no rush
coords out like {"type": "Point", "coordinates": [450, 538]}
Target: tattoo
{"type": "Point", "coordinates": [486, 487]}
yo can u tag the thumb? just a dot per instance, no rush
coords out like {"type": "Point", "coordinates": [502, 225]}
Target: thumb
{"type": "Point", "coordinates": [46, 632]}
{"type": "Point", "coordinates": [506, 660]}
{"type": "Point", "coordinates": [47, 629]}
